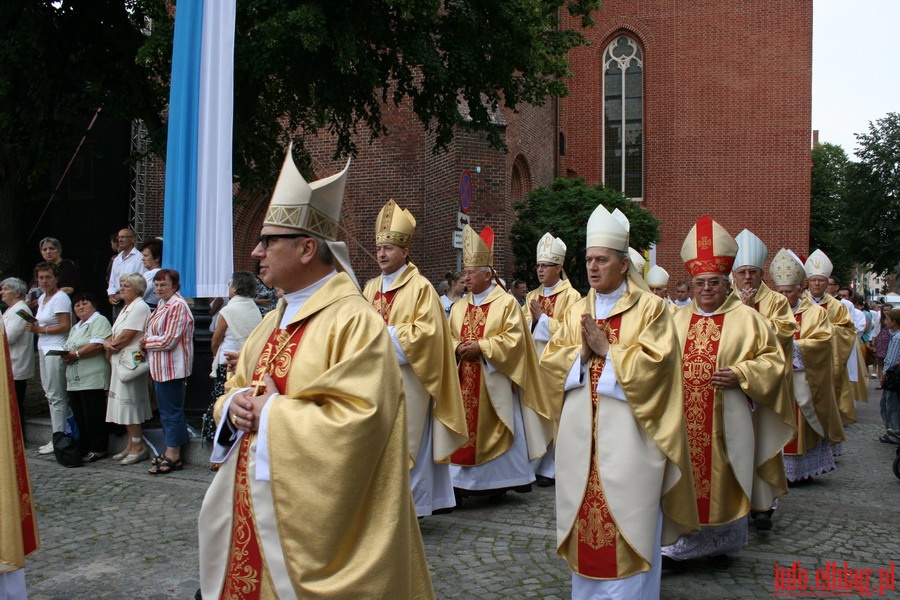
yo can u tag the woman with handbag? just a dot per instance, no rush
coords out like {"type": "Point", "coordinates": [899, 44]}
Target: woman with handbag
{"type": "Point", "coordinates": [87, 376]}
{"type": "Point", "coordinates": [169, 342]}
{"type": "Point", "coordinates": [129, 397]}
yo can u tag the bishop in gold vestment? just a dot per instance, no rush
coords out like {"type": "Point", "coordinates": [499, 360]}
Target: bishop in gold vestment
{"type": "Point", "coordinates": [312, 498]}
{"type": "Point", "coordinates": [818, 268]}
{"type": "Point", "coordinates": [18, 522]}
{"type": "Point", "coordinates": [738, 416]}
{"type": "Point", "coordinates": [420, 335]}
{"type": "Point", "coordinates": [544, 308]}
{"type": "Point", "coordinates": [818, 421]}
{"type": "Point", "coordinates": [507, 414]}
{"type": "Point", "coordinates": [623, 479]}
{"type": "Point", "coordinates": [329, 499]}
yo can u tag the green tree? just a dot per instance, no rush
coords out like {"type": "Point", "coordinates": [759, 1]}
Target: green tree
{"type": "Point", "coordinates": [301, 67]}
{"type": "Point", "coordinates": [828, 191]}
{"type": "Point", "coordinates": [873, 197]}
{"type": "Point", "coordinates": [60, 61]}
{"type": "Point", "coordinates": [563, 209]}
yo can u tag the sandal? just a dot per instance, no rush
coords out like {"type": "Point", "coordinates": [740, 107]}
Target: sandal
{"type": "Point", "coordinates": [93, 457]}
{"type": "Point", "coordinates": [165, 465]}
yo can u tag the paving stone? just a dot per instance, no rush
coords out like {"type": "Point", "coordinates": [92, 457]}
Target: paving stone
{"type": "Point", "coordinates": [114, 532]}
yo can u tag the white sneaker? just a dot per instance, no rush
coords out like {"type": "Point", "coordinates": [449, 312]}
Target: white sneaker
{"type": "Point", "coordinates": [46, 448]}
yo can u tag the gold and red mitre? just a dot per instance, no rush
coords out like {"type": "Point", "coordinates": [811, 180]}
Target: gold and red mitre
{"type": "Point", "coordinates": [787, 269]}
{"type": "Point", "coordinates": [478, 248]}
{"type": "Point", "coordinates": [395, 225]}
{"type": "Point", "coordinates": [708, 248]}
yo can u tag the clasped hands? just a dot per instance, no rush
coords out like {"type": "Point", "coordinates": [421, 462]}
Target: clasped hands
{"type": "Point", "coordinates": [748, 296]}
{"type": "Point", "coordinates": [593, 339]}
{"type": "Point", "coordinates": [469, 350]}
{"type": "Point", "coordinates": [246, 407]}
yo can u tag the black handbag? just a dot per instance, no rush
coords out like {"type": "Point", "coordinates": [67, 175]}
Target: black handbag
{"type": "Point", "coordinates": [892, 379]}
{"type": "Point", "coordinates": [65, 448]}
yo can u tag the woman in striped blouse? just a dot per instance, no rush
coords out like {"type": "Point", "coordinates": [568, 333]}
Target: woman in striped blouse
{"type": "Point", "coordinates": [169, 341]}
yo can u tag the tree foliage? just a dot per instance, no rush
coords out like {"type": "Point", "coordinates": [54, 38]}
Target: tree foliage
{"type": "Point", "coordinates": [301, 67]}
{"type": "Point", "coordinates": [827, 206]}
{"type": "Point", "coordinates": [563, 209]}
{"type": "Point", "coordinates": [59, 62]}
{"type": "Point", "coordinates": [855, 206]}
{"type": "Point", "coordinates": [873, 198]}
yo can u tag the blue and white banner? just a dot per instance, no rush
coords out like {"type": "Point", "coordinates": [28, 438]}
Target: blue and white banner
{"type": "Point", "coordinates": [197, 222]}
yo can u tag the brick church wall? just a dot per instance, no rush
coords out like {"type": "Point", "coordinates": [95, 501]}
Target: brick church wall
{"type": "Point", "coordinates": [727, 112]}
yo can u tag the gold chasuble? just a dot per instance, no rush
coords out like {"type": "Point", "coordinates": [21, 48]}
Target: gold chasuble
{"type": "Point", "coordinates": [619, 463]}
{"type": "Point", "coordinates": [774, 308]}
{"type": "Point", "coordinates": [555, 305]}
{"type": "Point", "coordinates": [335, 518]}
{"type": "Point", "coordinates": [412, 306]}
{"type": "Point", "coordinates": [502, 333]}
{"type": "Point", "coordinates": [732, 469]}
{"type": "Point", "coordinates": [844, 343]}
{"type": "Point", "coordinates": [18, 522]}
{"type": "Point", "coordinates": [816, 412]}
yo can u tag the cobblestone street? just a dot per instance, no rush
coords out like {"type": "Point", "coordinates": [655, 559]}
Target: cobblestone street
{"type": "Point", "coordinates": [109, 531]}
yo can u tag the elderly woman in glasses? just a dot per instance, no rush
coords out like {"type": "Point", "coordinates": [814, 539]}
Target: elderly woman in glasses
{"type": "Point", "coordinates": [129, 399]}
{"type": "Point", "coordinates": [169, 342]}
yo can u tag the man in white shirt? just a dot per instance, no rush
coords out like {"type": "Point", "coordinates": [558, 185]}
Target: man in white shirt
{"type": "Point", "coordinates": [128, 260]}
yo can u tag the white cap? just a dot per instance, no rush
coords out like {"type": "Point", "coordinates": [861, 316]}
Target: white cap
{"type": "Point", "coordinates": [657, 276]}
{"type": "Point", "coordinates": [818, 263]}
{"type": "Point", "coordinates": [608, 230]}
{"type": "Point", "coordinates": [751, 251]}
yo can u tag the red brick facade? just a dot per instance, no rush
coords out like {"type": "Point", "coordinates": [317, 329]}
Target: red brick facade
{"type": "Point", "coordinates": [726, 113]}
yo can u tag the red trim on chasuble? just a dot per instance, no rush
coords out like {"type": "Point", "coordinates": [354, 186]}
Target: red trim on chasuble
{"type": "Point", "coordinates": [243, 575]}
{"type": "Point", "coordinates": [595, 527]}
{"type": "Point", "coordinates": [470, 383]}
{"type": "Point", "coordinates": [547, 304]}
{"type": "Point", "coordinates": [29, 525]}
{"type": "Point", "coordinates": [791, 447]}
{"type": "Point", "coordinates": [700, 352]}
{"type": "Point", "coordinates": [383, 302]}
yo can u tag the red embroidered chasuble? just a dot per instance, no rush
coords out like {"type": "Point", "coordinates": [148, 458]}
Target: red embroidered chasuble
{"type": "Point", "coordinates": [470, 383]}
{"type": "Point", "coordinates": [243, 576]}
{"type": "Point", "coordinates": [547, 304]}
{"type": "Point", "coordinates": [29, 523]}
{"type": "Point", "coordinates": [791, 447]}
{"type": "Point", "coordinates": [383, 302]}
{"type": "Point", "coordinates": [701, 348]}
{"type": "Point", "coordinates": [595, 529]}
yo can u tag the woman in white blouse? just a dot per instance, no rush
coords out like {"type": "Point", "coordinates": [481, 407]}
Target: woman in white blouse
{"type": "Point", "coordinates": [54, 319]}
{"type": "Point", "coordinates": [13, 292]}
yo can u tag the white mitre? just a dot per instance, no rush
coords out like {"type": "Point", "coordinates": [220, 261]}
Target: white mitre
{"type": "Point", "coordinates": [657, 276]}
{"type": "Point", "coordinates": [551, 250]}
{"type": "Point", "coordinates": [786, 269]}
{"type": "Point", "coordinates": [818, 263]}
{"type": "Point", "coordinates": [608, 230]}
{"type": "Point", "coordinates": [751, 251]}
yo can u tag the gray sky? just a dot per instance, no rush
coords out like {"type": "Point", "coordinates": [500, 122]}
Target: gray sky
{"type": "Point", "coordinates": [856, 67]}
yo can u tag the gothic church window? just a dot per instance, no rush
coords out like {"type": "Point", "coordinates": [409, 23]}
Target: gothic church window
{"type": "Point", "coordinates": [623, 117]}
